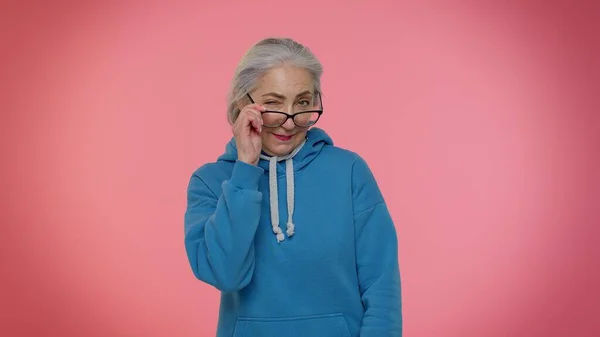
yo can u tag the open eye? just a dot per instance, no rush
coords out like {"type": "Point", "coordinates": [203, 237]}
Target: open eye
{"type": "Point", "coordinates": [304, 103]}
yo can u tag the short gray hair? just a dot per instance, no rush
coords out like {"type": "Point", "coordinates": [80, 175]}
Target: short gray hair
{"type": "Point", "coordinates": [264, 55]}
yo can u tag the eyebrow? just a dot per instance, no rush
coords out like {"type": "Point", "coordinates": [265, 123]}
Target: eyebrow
{"type": "Point", "coordinates": [280, 96]}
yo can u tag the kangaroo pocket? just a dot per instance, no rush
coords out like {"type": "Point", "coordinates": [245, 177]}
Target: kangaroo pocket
{"type": "Point", "coordinates": [328, 325]}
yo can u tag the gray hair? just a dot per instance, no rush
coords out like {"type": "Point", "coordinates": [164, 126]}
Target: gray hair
{"type": "Point", "coordinates": [264, 55]}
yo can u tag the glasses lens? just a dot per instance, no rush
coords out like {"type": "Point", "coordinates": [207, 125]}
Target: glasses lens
{"type": "Point", "coordinates": [306, 119]}
{"type": "Point", "coordinates": [273, 119]}
{"type": "Point", "coordinates": [304, 116]}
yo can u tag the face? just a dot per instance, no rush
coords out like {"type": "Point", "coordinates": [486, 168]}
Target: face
{"type": "Point", "coordinates": [288, 89]}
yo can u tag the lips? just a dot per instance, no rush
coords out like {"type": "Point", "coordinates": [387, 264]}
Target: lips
{"type": "Point", "coordinates": [282, 137]}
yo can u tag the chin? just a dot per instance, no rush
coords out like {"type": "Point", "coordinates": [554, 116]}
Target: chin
{"type": "Point", "coordinates": [275, 147]}
{"type": "Point", "coordinates": [280, 150]}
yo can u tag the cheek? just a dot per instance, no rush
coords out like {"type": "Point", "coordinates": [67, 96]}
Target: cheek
{"type": "Point", "coordinates": [301, 135]}
{"type": "Point", "coordinates": [265, 136]}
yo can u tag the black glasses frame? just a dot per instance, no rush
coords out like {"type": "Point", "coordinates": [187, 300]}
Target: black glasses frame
{"type": "Point", "coordinates": [293, 117]}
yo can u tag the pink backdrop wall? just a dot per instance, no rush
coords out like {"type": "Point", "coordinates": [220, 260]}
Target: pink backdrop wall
{"type": "Point", "coordinates": [480, 120]}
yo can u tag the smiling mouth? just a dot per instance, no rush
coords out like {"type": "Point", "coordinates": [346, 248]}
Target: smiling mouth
{"type": "Point", "coordinates": [283, 137]}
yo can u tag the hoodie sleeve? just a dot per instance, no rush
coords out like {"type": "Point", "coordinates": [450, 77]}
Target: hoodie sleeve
{"type": "Point", "coordinates": [376, 257]}
{"type": "Point", "coordinates": [219, 230]}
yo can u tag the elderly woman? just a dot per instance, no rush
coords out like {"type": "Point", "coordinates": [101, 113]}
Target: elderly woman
{"type": "Point", "coordinates": [291, 229]}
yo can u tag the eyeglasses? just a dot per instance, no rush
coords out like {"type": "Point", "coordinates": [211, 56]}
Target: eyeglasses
{"type": "Point", "coordinates": [305, 117]}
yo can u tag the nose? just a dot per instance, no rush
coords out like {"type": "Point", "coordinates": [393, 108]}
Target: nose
{"type": "Point", "coordinates": [289, 124]}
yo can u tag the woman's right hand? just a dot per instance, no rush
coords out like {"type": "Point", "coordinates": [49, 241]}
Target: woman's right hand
{"type": "Point", "coordinates": [246, 131]}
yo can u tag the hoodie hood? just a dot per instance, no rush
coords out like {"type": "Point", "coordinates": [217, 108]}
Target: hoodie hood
{"type": "Point", "coordinates": [287, 165]}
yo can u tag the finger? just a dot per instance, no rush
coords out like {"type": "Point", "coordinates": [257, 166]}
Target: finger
{"type": "Point", "coordinates": [252, 110]}
{"type": "Point", "coordinates": [257, 124]}
{"type": "Point", "coordinates": [257, 107]}
{"type": "Point", "coordinates": [253, 121]}
{"type": "Point", "coordinates": [256, 119]}
{"type": "Point", "coordinates": [244, 117]}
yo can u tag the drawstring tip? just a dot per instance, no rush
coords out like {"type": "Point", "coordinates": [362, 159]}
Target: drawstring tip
{"type": "Point", "coordinates": [290, 229]}
{"type": "Point", "coordinates": [280, 237]}
{"type": "Point", "coordinates": [279, 233]}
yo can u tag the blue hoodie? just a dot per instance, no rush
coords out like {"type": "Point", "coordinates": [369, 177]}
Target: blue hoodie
{"type": "Point", "coordinates": [334, 273]}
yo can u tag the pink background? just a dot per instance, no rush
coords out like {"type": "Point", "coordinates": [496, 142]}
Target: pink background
{"type": "Point", "coordinates": [479, 119]}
